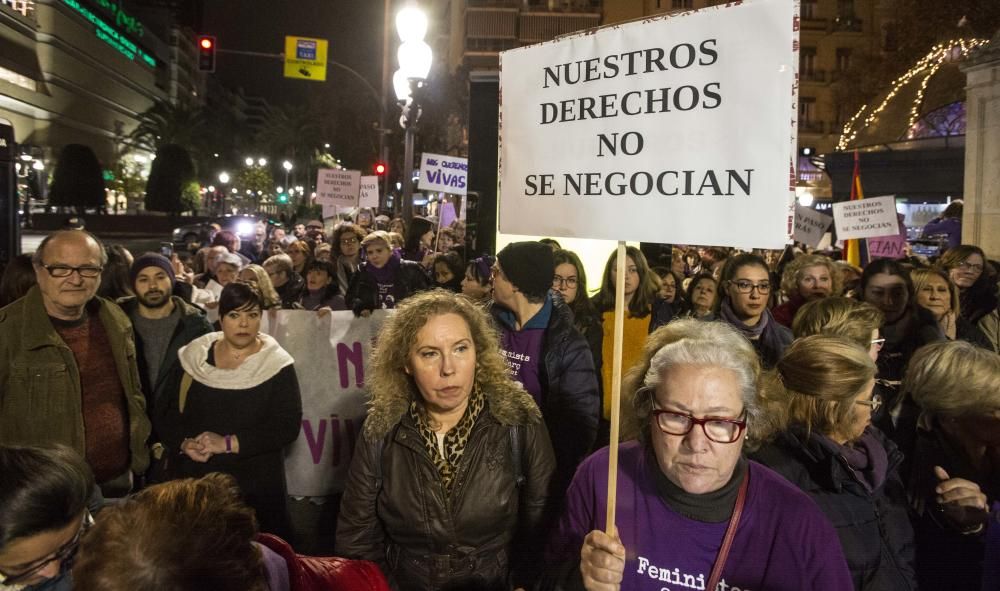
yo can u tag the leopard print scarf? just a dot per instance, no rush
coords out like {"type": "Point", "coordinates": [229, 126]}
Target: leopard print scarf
{"type": "Point", "coordinates": [454, 441]}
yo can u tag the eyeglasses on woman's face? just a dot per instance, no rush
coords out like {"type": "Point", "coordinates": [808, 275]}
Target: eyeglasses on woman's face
{"type": "Point", "coordinates": [64, 555]}
{"type": "Point", "coordinates": [717, 429]}
{"type": "Point", "coordinates": [763, 288]}
{"type": "Point", "coordinates": [875, 403]}
{"type": "Point", "coordinates": [558, 282]}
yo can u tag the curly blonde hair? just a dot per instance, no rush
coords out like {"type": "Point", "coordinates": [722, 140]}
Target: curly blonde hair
{"type": "Point", "coordinates": [390, 385]}
{"type": "Point", "coordinates": [793, 273]}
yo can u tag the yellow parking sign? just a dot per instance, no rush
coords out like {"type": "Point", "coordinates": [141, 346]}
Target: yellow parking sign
{"type": "Point", "coordinates": [305, 58]}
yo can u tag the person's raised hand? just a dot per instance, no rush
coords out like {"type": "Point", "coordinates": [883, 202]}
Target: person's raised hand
{"type": "Point", "coordinates": [961, 500]}
{"type": "Point", "coordinates": [602, 561]}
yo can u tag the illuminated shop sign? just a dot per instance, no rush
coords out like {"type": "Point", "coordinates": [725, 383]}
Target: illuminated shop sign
{"type": "Point", "coordinates": [131, 24]}
{"type": "Point", "coordinates": [108, 34]}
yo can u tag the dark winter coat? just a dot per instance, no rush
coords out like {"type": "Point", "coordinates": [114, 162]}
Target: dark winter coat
{"type": "Point", "coordinates": [488, 527]}
{"type": "Point", "coordinates": [571, 399]}
{"type": "Point", "coordinates": [874, 527]}
{"type": "Point", "coordinates": [291, 292]}
{"type": "Point", "coordinates": [945, 558]}
{"type": "Point", "coordinates": [191, 325]}
{"type": "Point", "coordinates": [362, 294]}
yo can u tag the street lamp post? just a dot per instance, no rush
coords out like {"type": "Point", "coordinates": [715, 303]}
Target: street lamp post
{"type": "Point", "coordinates": [288, 168]}
{"type": "Point", "coordinates": [223, 180]}
{"type": "Point", "coordinates": [415, 58]}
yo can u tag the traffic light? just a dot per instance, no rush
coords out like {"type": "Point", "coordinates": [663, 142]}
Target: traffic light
{"type": "Point", "coordinates": [380, 168]}
{"type": "Point", "coordinates": [206, 53]}
{"type": "Point", "coordinates": [282, 197]}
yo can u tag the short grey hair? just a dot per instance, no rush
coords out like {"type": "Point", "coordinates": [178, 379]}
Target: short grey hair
{"type": "Point", "coordinates": [691, 342]}
{"type": "Point", "coordinates": [39, 254]}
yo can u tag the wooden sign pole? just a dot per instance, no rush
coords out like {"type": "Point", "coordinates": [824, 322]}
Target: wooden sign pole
{"type": "Point", "coordinates": [616, 386]}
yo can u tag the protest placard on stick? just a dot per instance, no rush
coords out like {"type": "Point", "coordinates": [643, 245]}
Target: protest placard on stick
{"type": "Point", "coordinates": [677, 129]}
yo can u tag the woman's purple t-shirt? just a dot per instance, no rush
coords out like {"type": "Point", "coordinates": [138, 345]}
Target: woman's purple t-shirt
{"type": "Point", "coordinates": [783, 543]}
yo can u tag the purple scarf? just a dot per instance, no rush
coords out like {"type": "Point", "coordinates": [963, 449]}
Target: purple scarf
{"type": "Point", "coordinates": [866, 457]}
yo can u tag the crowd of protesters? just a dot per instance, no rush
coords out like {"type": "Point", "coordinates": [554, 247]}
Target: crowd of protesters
{"type": "Point", "coordinates": [789, 421]}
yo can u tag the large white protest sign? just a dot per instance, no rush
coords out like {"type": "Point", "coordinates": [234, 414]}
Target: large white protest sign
{"type": "Point", "coordinates": [810, 225]}
{"type": "Point", "coordinates": [448, 174]}
{"type": "Point", "coordinates": [673, 129]}
{"type": "Point", "coordinates": [369, 192]}
{"type": "Point", "coordinates": [331, 358]}
{"type": "Point", "coordinates": [866, 218]}
{"type": "Point", "coordinates": [338, 187]}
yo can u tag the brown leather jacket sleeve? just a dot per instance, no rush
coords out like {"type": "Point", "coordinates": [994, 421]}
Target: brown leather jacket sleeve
{"type": "Point", "coordinates": [359, 532]}
{"type": "Point", "coordinates": [536, 509]}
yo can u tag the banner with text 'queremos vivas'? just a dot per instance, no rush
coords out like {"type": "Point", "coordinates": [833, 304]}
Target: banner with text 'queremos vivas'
{"type": "Point", "coordinates": [331, 358]}
{"type": "Point", "coordinates": [677, 129]}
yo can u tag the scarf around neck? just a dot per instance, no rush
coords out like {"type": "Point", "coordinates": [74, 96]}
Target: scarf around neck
{"type": "Point", "coordinates": [388, 271]}
{"type": "Point", "coordinates": [255, 369]}
{"type": "Point", "coordinates": [454, 440]}
{"type": "Point", "coordinates": [865, 457]}
{"type": "Point", "coordinates": [750, 332]}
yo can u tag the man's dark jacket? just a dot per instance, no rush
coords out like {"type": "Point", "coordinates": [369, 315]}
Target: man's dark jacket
{"type": "Point", "coordinates": [192, 324]}
{"type": "Point", "coordinates": [571, 399]}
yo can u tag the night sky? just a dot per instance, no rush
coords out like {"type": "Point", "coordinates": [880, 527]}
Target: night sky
{"type": "Point", "coordinates": [353, 28]}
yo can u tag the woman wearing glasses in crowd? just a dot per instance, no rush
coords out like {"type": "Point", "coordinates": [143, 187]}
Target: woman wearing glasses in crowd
{"type": "Point", "coordinates": [977, 285]}
{"type": "Point", "coordinates": [47, 498]}
{"type": "Point", "coordinates": [570, 281]}
{"type": "Point", "coordinates": [820, 402]}
{"type": "Point", "coordinates": [956, 460]}
{"type": "Point", "coordinates": [346, 252]}
{"type": "Point", "coordinates": [746, 287]}
{"type": "Point", "coordinates": [886, 285]}
{"type": "Point", "coordinates": [684, 487]}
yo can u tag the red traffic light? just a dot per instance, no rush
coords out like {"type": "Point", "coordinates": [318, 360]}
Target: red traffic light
{"type": "Point", "coordinates": [206, 53]}
{"type": "Point", "coordinates": [380, 168]}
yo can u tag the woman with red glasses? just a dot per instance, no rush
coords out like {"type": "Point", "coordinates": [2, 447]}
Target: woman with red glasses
{"type": "Point", "coordinates": [692, 512]}
{"type": "Point", "coordinates": [46, 499]}
{"type": "Point", "coordinates": [820, 405]}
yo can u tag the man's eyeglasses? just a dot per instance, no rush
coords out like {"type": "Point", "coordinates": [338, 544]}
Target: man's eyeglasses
{"type": "Point", "coordinates": [88, 271]}
{"type": "Point", "coordinates": [558, 282]}
{"type": "Point", "coordinates": [875, 403]}
{"type": "Point", "coordinates": [717, 429]}
{"type": "Point", "coordinates": [64, 555]}
{"type": "Point", "coordinates": [763, 288]}
{"type": "Point", "coordinates": [976, 268]}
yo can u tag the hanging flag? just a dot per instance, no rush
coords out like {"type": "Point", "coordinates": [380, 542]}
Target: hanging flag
{"type": "Point", "coordinates": [852, 250]}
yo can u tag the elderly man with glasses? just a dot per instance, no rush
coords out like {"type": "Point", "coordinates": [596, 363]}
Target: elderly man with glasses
{"type": "Point", "coordinates": [68, 370]}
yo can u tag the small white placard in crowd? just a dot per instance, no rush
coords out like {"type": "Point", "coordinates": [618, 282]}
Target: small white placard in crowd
{"type": "Point", "coordinates": [338, 187]}
{"type": "Point", "coordinates": [866, 218]}
{"type": "Point", "coordinates": [448, 174]}
{"type": "Point", "coordinates": [810, 225]}
{"type": "Point", "coordinates": [369, 192]}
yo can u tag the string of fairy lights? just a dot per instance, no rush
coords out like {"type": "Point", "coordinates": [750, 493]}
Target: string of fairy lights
{"type": "Point", "coordinates": [926, 67]}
